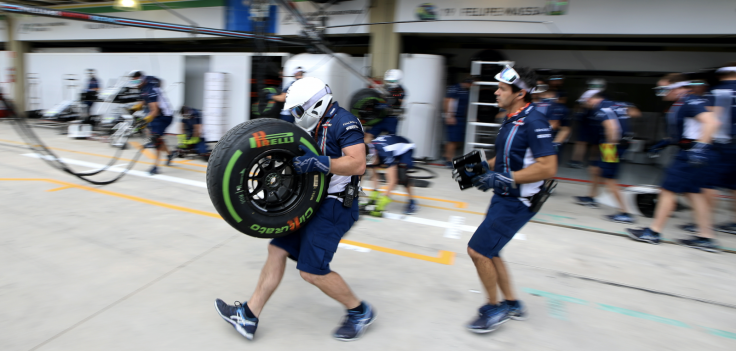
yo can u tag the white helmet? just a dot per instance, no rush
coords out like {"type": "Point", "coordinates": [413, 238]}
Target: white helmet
{"type": "Point", "coordinates": [307, 100]}
{"type": "Point", "coordinates": [392, 77]}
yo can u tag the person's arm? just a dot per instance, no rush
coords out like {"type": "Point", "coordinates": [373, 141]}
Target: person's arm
{"type": "Point", "coordinates": [562, 135]}
{"type": "Point", "coordinates": [709, 125]}
{"type": "Point", "coordinates": [492, 163]}
{"type": "Point", "coordinates": [197, 131]}
{"type": "Point", "coordinates": [152, 111]}
{"type": "Point", "coordinates": [555, 124]}
{"type": "Point", "coordinates": [351, 163]}
{"type": "Point", "coordinates": [544, 168]}
{"type": "Point", "coordinates": [279, 98]}
{"type": "Point", "coordinates": [449, 113]}
{"type": "Point", "coordinates": [611, 128]}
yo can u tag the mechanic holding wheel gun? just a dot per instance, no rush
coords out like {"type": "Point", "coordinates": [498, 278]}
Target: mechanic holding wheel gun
{"type": "Point", "coordinates": [339, 136]}
{"type": "Point", "coordinates": [395, 153]}
{"type": "Point", "coordinates": [525, 158]}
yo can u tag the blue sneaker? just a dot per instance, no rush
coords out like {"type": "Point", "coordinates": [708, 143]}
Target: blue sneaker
{"type": "Point", "coordinates": [729, 228]}
{"type": "Point", "coordinates": [355, 324]}
{"type": "Point", "coordinates": [516, 311]}
{"type": "Point", "coordinates": [153, 170]}
{"type": "Point", "coordinates": [170, 157]}
{"type": "Point", "coordinates": [235, 315]}
{"type": "Point", "coordinates": [700, 243]}
{"type": "Point", "coordinates": [586, 201]}
{"type": "Point", "coordinates": [411, 208]}
{"type": "Point", "coordinates": [491, 316]}
{"type": "Point", "coordinates": [690, 227]}
{"type": "Point", "coordinates": [646, 235]}
{"type": "Point", "coordinates": [621, 218]}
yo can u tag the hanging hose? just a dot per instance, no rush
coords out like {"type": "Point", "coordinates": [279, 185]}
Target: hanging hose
{"type": "Point", "coordinates": [34, 142]}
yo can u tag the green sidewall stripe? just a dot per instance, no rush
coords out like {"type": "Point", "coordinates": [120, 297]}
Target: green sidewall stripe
{"type": "Point", "coordinates": [321, 176]}
{"type": "Point", "coordinates": [226, 185]}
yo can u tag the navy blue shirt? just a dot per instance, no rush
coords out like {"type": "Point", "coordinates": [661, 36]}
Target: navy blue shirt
{"type": "Point", "coordinates": [681, 120]}
{"type": "Point", "coordinates": [462, 96]}
{"type": "Point", "coordinates": [389, 148]}
{"type": "Point", "coordinates": [337, 130]}
{"type": "Point", "coordinates": [92, 84]}
{"type": "Point", "coordinates": [151, 92]}
{"type": "Point", "coordinates": [189, 123]}
{"type": "Point", "coordinates": [522, 138]}
{"type": "Point", "coordinates": [724, 96]}
{"type": "Point", "coordinates": [554, 111]}
{"type": "Point", "coordinates": [609, 110]}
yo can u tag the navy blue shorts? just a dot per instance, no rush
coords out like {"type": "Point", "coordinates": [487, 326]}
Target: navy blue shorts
{"type": "Point", "coordinates": [456, 133]}
{"type": "Point", "coordinates": [721, 172]}
{"type": "Point", "coordinates": [287, 117]}
{"type": "Point", "coordinates": [407, 159]}
{"type": "Point", "coordinates": [681, 177]}
{"type": "Point", "coordinates": [505, 217]}
{"type": "Point", "coordinates": [387, 124]}
{"type": "Point", "coordinates": [159, 124]}
{"type": "Point", "coordinates": [609, 170]}
{"type": "Point", "coordinates": [314, 245]}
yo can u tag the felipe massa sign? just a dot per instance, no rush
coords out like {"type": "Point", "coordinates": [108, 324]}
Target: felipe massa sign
{"type": "Point", "coordinates": [429, 11]}
{"type": "Point", "coordinates": [605, 17]}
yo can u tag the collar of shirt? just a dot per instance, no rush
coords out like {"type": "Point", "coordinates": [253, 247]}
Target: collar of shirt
{"type": "Point", "coordinates": [520, 113]}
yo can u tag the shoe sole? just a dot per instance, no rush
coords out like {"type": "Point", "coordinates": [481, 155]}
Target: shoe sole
{"type": "Point", "coordinates": [632, 236]}
{"type": "Point", "coordinates": [359, 334]}
{"type": "Point", "coordinates": [706, 249]}
{"type": "Point", "coordinates": [586, 204]}
{"type": "Point", "coordinates": [617, 221]}
{"type": "Point", "coordinates": [493, 328]}
{"type": "Point", "coordinates": [725, 231]}
{"type": "Point", "coordinates": [520, 318]}
{"type": "Point", "coordinates": [237, 326]}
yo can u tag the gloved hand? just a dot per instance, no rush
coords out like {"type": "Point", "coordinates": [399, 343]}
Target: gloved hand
{"type": "Point", "coordinates": [311, 162]}
{"type": "Point", "coordinates": [697, 155]}
{"type": "Point", "coordinates": [269, 96]}
{"type": "Point", "coordinates": [659, 146]}
{"type": "Point", "coordinates": [500, 181]}
{"type": "Point", "coordinates": [149, 118]}
{"type": "Point", "coordinates": [556, 146]}
{"type": "Point", "coordinates": [468, 171]}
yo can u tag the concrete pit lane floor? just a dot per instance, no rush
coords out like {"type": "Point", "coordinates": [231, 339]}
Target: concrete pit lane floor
{"type": "Point", "coordinates": [137, 265]}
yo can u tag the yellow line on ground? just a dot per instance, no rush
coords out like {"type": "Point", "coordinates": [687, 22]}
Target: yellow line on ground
{"type": "Point", "coordinates": [146, 152]}
{"type": "Point", "coordinates": [444, 257]}
{"type": "Point", "coordinates": [458, 204]}
{"type": "Point", "coordinates": [444, 208]}
{"type": "Point", "coordinates": [60, 188]}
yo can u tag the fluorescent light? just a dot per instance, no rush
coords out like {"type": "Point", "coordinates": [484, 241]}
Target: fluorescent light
{"type": "Point", "coordinates": [127, 5]}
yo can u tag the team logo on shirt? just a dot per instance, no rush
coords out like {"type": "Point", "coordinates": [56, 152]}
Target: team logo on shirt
{"type": "Point", "coordinates": [261, 139]}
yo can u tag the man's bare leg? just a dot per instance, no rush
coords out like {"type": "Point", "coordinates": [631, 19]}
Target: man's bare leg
{"type": "Point", "coordinates": [702, 214]}
{"type": "Point", "coordinates": [487, 273]}
{"type": "Point", "coordinates": [333, 286]}
{"type": "Point", "coordinates": [579, 151]}
{"type": "Point", "coordinates": [271, 275]}
{"type": "Point", "coordinates": [595, 178]}
{"type": "Point", "coordinates": [450, 148]}
{"type": "Point", "coordinates": [613, 188]}
{"type": "Point", "coordinates": [504, 280]}
{"type": "Point", "coordinates": [666, 202]}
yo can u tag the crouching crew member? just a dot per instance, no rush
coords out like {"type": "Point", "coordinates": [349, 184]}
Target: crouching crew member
{"type": "Point", "coordinates": [191, 130]}
{"type": "Point", "coordinates": [339, 136]}
{"type": "Point", "coordinates": [395, 153]}
{"type": "Point", "coordinates": [389, 123]}
{"type": "Point", "coordinates": [524, 158]}
{"type": "Point", "coordinates": [691, 127]}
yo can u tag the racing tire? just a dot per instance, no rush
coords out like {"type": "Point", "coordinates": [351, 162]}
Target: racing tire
{"type": "Point", "coordinates": [252, 183]}
{"type": "Point", "coordinates": [364, 105]}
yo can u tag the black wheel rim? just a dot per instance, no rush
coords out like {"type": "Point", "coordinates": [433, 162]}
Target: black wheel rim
{"type": "Point", "coordinates": [273, 187]}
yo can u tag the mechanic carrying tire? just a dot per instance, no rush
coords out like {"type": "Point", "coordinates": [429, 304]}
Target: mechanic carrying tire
{"type": "Point", "coordinates": [255, 159]}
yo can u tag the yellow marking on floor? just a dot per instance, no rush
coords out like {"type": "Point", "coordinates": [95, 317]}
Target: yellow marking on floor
{"type": "Point", "coordinates": [444, 208]}
{"type": "Point", "coordinates": [458, 204]}
{"type": "Point", "coordinates": [145, 151]}
{"type": "Point", "coordinates": [60, 188]}
{"type": "Point", "coordinates": [443, 257]}
{"type": "Point", "coordinates": [188, 163]}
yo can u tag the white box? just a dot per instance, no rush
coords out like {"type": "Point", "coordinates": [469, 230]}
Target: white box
{"type": "Point", "coordinates": [216, 85]}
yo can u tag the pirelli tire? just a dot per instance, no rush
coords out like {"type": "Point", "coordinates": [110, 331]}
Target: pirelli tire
{"type": "Point", "coordinates": [364, 105]}
{"type": "Point", "coordinates": [252, 183]}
